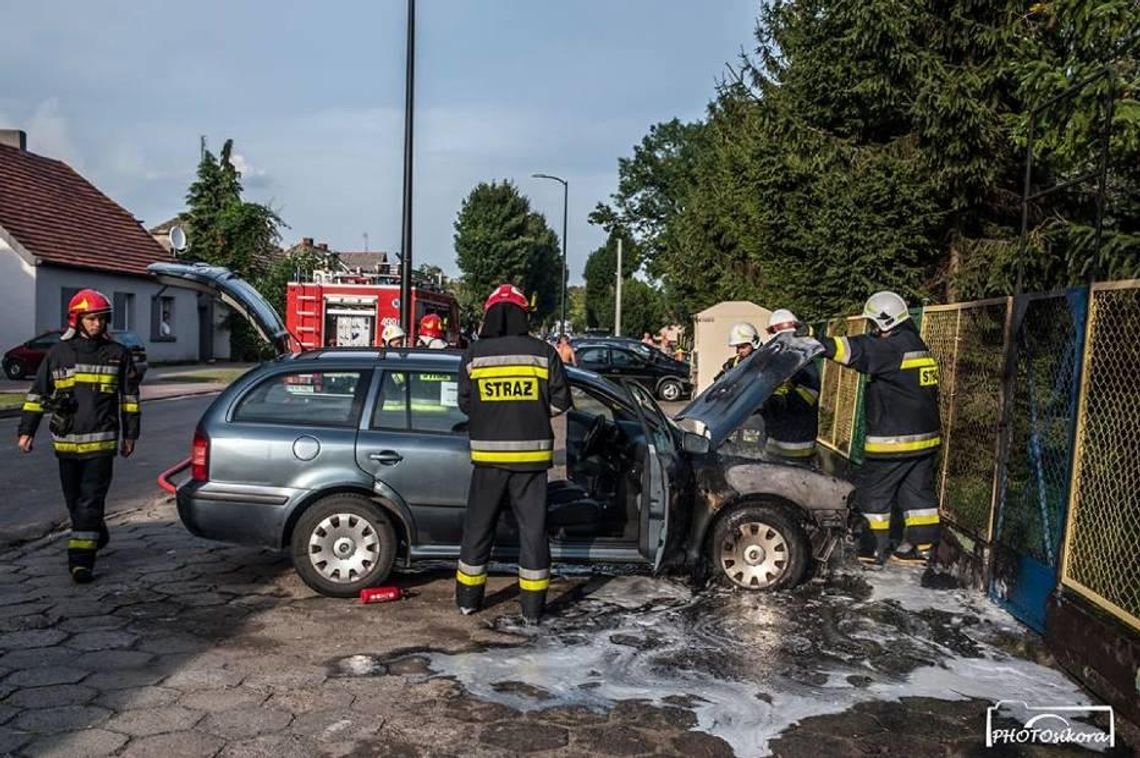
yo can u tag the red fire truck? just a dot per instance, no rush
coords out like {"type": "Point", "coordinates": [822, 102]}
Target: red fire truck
{"type": "Point", "coordinates": [345, 309]}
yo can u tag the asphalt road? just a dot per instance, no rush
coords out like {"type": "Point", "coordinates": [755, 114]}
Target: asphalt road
{"type": "Point", "coordinates": [29, 484]}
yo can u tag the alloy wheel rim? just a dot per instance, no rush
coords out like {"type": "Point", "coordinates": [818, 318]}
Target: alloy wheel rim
{"type": "Point", "coordinates": [344, 547]}
{"type": "Point", "coordinates": [754, 555]}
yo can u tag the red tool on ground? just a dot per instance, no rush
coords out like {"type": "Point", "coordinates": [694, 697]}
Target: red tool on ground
{"type": "Point", "coordinates": [380, 594]}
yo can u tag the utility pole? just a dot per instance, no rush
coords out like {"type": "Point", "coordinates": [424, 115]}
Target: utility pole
{"type": "Point", "coordinates": [617, 299]}
{"type": "Point", "coordinates": [406, 236]}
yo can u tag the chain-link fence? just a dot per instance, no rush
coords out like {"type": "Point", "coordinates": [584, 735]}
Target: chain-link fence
{"type": "Point", "coordinates": [968, 342]}
{"type": "Point", "coordinates": [841, 396]}
{"type": "Point", "coordinates": [1048, 334]}
{"type": "Point", "coordinates": [1101, 559]}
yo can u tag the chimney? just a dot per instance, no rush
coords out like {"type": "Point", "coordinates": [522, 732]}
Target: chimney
{"type": "Point", "coordinates": [16, 138]}
{"type": "Point", "coordinates": [306, 242]}
{"type": "Point", "coordinates": [322, 246]}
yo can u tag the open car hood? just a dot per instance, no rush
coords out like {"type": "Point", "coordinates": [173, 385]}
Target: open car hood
{"type": "Point", "coordinates": [232, 290]}
{"type": "Point", "coordinates": [722, 408]}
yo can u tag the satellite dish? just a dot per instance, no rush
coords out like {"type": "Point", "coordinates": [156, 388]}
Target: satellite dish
{"type": "Point", "coordinates": [177, 238]}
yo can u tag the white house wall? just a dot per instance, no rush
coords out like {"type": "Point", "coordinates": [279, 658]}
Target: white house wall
{"type": "Point", "coordinates": [17, 298]}
{"type": "Point", "coordinates": [52, 280]}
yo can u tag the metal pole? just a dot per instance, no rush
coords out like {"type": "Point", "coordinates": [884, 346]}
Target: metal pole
{"type": "Point", "coordinates": [565, 207]}
{"type": "Point", "coordinates": [617, 299]}
{"type": "Point", "coordinates": [406, 231]}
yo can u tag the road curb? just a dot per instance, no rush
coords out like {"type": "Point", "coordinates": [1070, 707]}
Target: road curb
{"type": "Point", "coordinates": [13, 412]}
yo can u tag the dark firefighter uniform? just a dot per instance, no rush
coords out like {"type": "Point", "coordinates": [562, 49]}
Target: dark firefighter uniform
{"type": "Point", "coordinates": [509, 386]}
{"type": "Point", "coordinates": [729, 365]}
{"type": "Point", "coordinates": [91, 388]}
{"type": "Point", "coordinates": [903, 432]}
{"type": "Point", "coordinates": [791, 415]}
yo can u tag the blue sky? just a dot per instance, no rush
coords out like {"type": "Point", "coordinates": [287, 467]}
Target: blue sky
{"type": "Point", "coordinates": [313, 93]}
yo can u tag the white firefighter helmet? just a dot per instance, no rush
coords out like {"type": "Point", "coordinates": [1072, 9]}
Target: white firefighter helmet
{"type": "Point", "coordinates": [782, 320]}
{"type": "Point", "coordinates": [743, 334]}
{"type": "Point", "coordinates": [886, 309]}
{"type": "Point", "coordinates": [392, 332]}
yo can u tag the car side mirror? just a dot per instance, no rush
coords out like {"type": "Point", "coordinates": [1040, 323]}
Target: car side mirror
{"type": "Point", "coordinates": [697, 444]}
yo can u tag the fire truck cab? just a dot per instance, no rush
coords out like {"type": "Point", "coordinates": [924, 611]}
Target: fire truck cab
{"type": "Point", "coordinates": [351, 309]}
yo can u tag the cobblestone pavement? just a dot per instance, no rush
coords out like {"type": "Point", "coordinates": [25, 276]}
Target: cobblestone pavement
{"type": "Point", "coordinates": [184, 647]}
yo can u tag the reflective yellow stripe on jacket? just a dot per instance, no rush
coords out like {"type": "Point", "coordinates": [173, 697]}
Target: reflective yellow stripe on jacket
{"type": "Point", "coordinates": [910, 443]}
{"type": "Point", "coordinates": [512, 451]}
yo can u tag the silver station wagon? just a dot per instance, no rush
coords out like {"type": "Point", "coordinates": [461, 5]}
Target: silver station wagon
{"type": "Point", "coordinates": [356, 459]}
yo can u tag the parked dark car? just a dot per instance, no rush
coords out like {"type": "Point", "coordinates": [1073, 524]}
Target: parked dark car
{"type": "Point", "coordinates": [354, 459]}
{"type": "Point", "coordinates": [24, 360]}
{"type": "Point", "coordinates": [613, 358]}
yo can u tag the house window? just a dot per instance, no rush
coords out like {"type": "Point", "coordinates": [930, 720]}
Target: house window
{"type": "Point", "coordinates": [65, 295]}
{"type": "Point", "coordinates": [123, 317]}
{"type": "Point", "coordinates": [162, 319]}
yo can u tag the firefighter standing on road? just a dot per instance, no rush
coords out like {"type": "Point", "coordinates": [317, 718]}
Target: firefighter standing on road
{"type": "Point", "coordinates": [510, 384]}
{"type": "Point", "coordinates": [791, 415]}
{"type": "Point", "coordinates": [744, 339]}
{"type": "Point", "coordinates": [431, 332]}
{"type": "Point", "coordinates": [90, 385]}
{"type": "Point", "coordinates": [903, 428]}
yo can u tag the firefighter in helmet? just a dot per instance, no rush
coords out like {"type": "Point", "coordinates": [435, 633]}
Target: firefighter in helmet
{"type": "Point", "coordinates": [91, 387]}
{"type": "Point", "coordinates": [903, 429]}
{"type": "Point", "coordinates": [744, 339]}
{"type": "Point", "coordinates": [791, 415]}
{"type": "Point", "coordinates": [510, 384]}
{"type": "Point", "coordinates": [393, 336]}
{"type": "Point", "coordinates": [431, 332]}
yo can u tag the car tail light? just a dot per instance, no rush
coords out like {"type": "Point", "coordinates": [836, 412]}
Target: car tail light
{"type": "Point", "coordinates": [200, 457]}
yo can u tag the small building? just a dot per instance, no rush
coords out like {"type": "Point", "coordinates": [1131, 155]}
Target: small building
{"type": "Point", "coordinates": [60, 234]}
{"type": "Point", "coordinates": [710, 336]}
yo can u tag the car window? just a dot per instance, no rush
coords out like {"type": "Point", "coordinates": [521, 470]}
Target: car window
{"type": "Point", "coordinates": [587, 403]}
{"type": "Point", "coordinates": [46, 341]}
{"type": "Point", "coordinates": [624, 358]}
{"type": "Point", "coordinates": [317, 398]}
{"type": "Point", "coordinates": [594, 355]}
{"type": "Point", "coordinates": [419, 402]}
{"type": "Point", "coordinates": [127, 339]}
{"type": "Point", "coordinates": [655, 419]}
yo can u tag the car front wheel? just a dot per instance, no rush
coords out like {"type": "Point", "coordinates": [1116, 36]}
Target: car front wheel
{"type": "Point", "coordinates": [14, 369]}
{"type": "Point", "coordinates": [759, 547]}
{"type": "Point", "coordinates": [670, 390]}
{"type": "Point", "coordinates": [342, 544]}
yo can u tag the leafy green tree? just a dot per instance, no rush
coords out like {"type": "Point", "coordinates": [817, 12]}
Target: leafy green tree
{"type": "Point", "coordinates": [242, 236]}
{"type": "Point", "coordinates": [498, 238]}
{"type": "Point", "coordinates": [601, 279]}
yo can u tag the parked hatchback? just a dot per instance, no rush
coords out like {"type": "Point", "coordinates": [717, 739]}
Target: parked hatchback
{"type": "Point", "coordinates": [24, 360]}
{"type": "Point", "coordinates": [665, 377]}
{"type": "Point", "coordinates": [355, 460]}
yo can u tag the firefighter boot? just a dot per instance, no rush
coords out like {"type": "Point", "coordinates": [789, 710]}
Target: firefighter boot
{"type": "Point", "coordinates": [470, 584]}
{"type": "Point", "coordinates": [917, 555]}
{"type": "Point", "coordinates": [873, 549]}
{"type": "Point", "coordinates": [81, 564]}
{"type": "Point", "coordinates": [533, 603]}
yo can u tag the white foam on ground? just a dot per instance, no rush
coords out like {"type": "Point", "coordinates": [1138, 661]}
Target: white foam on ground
{"type": "Point", "coordinates": [744, 653]}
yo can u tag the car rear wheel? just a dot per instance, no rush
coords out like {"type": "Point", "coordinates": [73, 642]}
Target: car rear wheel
{"type": "Point", "coordinates": [14, 368]}
{"type": "Point", "coordinates": [759, 547]}
{"type": "Point", "coordinates": [342, 544]}
{"type": "Point", "coordinates": [670, 390]}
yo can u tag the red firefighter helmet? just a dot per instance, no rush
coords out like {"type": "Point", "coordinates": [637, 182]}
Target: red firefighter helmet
{"type": "Point", "coordinates": [431, 325]}
{"type": "Point", "coordinates": [507, 293]}
{"type": "Point", "coordinates": [86, 303]}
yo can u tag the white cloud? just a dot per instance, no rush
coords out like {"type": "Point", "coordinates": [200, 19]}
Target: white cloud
{"type": "Point", "coordinates": [49, 134]}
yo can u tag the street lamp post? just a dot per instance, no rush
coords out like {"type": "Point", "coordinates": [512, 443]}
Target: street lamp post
{"type": "Point", "coordinates": [565, 198]}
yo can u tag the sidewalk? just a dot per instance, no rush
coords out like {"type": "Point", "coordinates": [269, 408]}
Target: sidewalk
{"type": "Point", "coordinates": [162, 382]}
